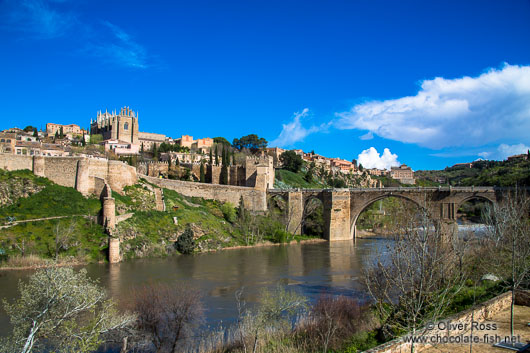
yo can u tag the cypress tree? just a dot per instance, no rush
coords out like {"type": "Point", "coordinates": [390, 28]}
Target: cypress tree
{"type": "Point", "coordinates": [56, 134]}
{"type": "Point", "coordinates": [142, 148]}
{"type": "Point", "coordinates": [202, 174]}
{"type": "Point", "coordinates": [216, 156]}
{"type": "Point", "coordinates": [61, 135]}
{"type": "Point", "coordinates": [169, 162]}
{"type": "Point", "coordinates": [211, 159]}
{"type": "Point", "coordinates": [233, 158]}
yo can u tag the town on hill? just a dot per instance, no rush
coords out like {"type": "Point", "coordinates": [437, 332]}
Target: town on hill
{"type": "Point", "coordinates": [116, 136]}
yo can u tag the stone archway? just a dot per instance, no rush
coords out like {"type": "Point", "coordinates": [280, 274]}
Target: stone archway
{"type": "Point", "coordinates": [357, 209]}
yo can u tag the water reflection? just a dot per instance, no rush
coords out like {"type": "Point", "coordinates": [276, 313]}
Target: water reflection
{"type": "Point", "coordinates": [311, 268]}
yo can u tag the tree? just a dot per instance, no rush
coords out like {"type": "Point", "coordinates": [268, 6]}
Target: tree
{"type": "Point", "coordinates": [224, 168]}
{"type": "Point", "coordinates": [29, 128]}
{"type": "Point", "coordinates": [211, 158]}
{"type": "Point", "coordinates": [291, 161]}
{"type": "Point", "coordinates": [56, 134]}
{"type": "Point", "coordinates": [310, 172]}
{"type": "Point", "coordinates": [216, 156]}
{"type": "Point", "coordinates": [142, 148]}
{"type": "Point", "coordinates": [35, 132]}
{"type": "Point", "coordinates": [361, 168]}
{"type": "Point", "coordinates": [251, 142]}
{"type": "Point", "coordinates": [61, 133]}
{"type": "Point", "coordinates": [415, 282]}
{"type": "Point", "coordinates": [167, 314]}
{"type": "Point", "coordinates": [507, 243]}
{"type": "Point", "coordinates": [221, 140]}
{"type": "Point", "coordinates": [202, 177]}
{"type": "Point", "coordinates": [186, 243]}
{"type": "Point", "coordinates": [155, 151]}
{"type": "Point", "coordinates": [61, 310]}
{"type": "Point", "coordinates": [83, 142]}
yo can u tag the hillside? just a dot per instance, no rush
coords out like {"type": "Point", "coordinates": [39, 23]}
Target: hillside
{"type": "Point", "coordinates": [316, 178]}
{"type": "Point", "coordinates": [481, 173]}
{"type": "Point", "coordinates": [73, 233]}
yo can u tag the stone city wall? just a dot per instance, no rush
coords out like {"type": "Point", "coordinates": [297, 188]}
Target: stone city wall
{"type": "Point", "coordinates": [254, 200]}
{"type": "Point", "coordinates": [78, 172]}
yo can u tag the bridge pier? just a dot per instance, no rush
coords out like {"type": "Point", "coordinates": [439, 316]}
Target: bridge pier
{"type": "Point", "coordinates": [445, 219]}
{"type": "Point", "coordinates": [337, 215]}
{"type": "Point", "coordinates": [295, 212]}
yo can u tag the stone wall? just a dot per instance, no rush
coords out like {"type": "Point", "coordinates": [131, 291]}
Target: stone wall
{"type": "Point", "coordinates": [254, 200]}
{"type": "Point", "coordinates": [479, 312]}
{"type": "Point", "coordinates": [86, 175]}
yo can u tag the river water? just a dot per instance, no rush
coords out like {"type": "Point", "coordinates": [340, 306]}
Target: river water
{"type": "Point", "coordinates": [310, 268]}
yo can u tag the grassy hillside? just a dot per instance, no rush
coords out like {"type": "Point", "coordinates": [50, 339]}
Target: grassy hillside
{"type": "Point", "coordinates": [77, 236]}
{"type": "Point", "coordinates": [482, 173]}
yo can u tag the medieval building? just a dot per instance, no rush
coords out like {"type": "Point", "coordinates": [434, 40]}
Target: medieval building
{"type": "Point", "coordinates": [122, 127]}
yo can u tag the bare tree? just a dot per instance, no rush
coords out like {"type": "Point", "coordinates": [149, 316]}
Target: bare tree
{"type": "Point", "coordinates": [167, 314]}
{"type": "Point", "coordinates": [61, 310]}
{"type": "Point", "coordinates": [416, 279]}
{"type": "Point", "coordinates": [507, 243]}
{"type": "Point", "coordinates": [63, 236]}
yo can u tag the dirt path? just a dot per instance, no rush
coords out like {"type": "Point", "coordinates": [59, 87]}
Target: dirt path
{"type": "Point", "coordinates": [37, 220]}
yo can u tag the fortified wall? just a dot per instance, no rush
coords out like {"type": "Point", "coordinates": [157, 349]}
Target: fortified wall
{"type": "Point", "coordinates": [86, 175]}
{"type": "Point", "coordinates": [257, 172]}
{"type": "Point", "coordinates": [253, 199]}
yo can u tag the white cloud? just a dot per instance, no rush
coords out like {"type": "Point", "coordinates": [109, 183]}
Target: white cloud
{"type": "Point", "coordinates": [370, 158]}
{"type": "Point", "coordinates": [38, 18]}
{"type": "Point", "coordinates": [468, 111]}
{"type": "Point", "coordinates": [367, 136]}
{"type": "Point", "coordinates": [119, 48]}
{"type": "Point", "coordinates": [294, 131]}
{"type": "Point", "coordinates": [504, 151]}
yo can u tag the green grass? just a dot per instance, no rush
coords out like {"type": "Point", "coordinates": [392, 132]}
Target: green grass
{"type": "Point", "coordinates": [296, 180]}
{"type": "Point", "coordinates": [87, 241]}
{"type": "Point", "coordinates": [53, 200]}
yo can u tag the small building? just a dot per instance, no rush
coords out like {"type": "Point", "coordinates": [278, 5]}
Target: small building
{"type": "Point", "coordinates": [7, 142]}
{"type": "Point", "coordinates": [120, 148]}
{"type": "Point", "coordinates": [185, 141]}
{"type": "Point", "coordinates": [403, 173]}
{"type": "Point", "coordinates": [74, 129]}
{"type": "Point", "coordinates": [202, 145]}
{"type": "Point", "coordinates": [149, 139]}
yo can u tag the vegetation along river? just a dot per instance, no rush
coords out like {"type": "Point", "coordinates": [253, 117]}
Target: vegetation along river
{"type": "Point", "coordinates": [311, 268]}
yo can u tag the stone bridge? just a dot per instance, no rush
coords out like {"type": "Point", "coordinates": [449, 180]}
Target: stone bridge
{"type": "Point", "coordinates": [342, 207]}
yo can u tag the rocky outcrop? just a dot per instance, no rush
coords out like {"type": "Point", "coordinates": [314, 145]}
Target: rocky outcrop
{"type": "Point", "coordinates": [14, 188]}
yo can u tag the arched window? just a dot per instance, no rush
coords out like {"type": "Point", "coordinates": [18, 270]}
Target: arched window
{"type": "Point", "coordinates": [126, 126]}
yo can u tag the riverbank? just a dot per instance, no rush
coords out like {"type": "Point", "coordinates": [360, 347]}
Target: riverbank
{"type": "Point", "coordinates": [33, 262]}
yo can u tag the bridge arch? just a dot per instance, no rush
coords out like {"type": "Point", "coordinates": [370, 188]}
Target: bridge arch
{"type": "Point", "coordinates": [358, 208]}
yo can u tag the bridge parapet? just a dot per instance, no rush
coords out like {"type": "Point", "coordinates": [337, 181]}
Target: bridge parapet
{"type": "Point", "coordinates": [441, 203]}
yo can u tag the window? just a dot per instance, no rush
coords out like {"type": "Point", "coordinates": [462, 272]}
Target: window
{"type": "Point", "coordinates": [2, 140]}
{"type": "Point", "coordinates": [19, 152]}
{"type": "Point", "coordinates": [8, 140]}
{"type": "Point", "coordinates": [126, 126]}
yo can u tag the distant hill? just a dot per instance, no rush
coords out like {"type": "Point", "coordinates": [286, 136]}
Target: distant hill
{"type": "Point", "coordinates": [481, 173]}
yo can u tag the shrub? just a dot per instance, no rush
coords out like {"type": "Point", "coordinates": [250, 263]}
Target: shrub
{"type": "Point", "coordinates": [281, 236]}
{"type": "Point", "coordinates": [229, 212]}
{"type": "Point", "coordinates": [333, 320]}
{"type": "Point", "coordinates": [185, 243]}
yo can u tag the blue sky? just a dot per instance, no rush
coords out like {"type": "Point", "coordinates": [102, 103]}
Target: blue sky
{"type": "Point", "coordinates": [434, 82]}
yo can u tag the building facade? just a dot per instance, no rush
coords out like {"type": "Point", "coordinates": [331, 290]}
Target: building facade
{"type": "Point", "coordinates": [122, 126]}
{"type": "Point", "coordinates": [403, 173]}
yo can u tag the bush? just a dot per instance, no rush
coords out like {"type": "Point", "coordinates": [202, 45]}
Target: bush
{"type": "Point", "coordinates": [185, 243]}
{"type": "Point", "coordinates": [281, 236]}
{"type": "Point", "coordinates": [333, 320]}
{"type": "Point", "coordinates": [229, 212]}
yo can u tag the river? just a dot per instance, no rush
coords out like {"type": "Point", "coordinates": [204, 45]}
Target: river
{"type": "Point", "coordinates": [310, 268]}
